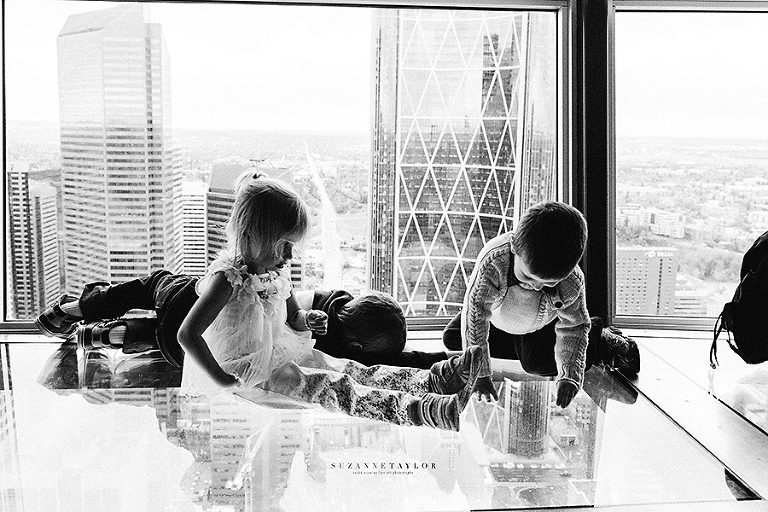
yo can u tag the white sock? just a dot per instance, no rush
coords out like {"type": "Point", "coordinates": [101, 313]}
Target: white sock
{"type": "Point", "coordinates": [72, 308]}
{"type": "Point", "coordinates": [117, 335]}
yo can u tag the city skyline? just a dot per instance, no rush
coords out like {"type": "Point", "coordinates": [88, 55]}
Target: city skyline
{"type": "Point", "coordinates": [466, 131]}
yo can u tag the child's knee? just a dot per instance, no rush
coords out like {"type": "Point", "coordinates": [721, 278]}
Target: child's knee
{"type": "Point", "coordinates": [285, 378]}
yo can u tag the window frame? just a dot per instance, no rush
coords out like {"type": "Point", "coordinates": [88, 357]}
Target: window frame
{"type": "Point", "coordinates": [697, 323]}
{"type": "Point", "coordinates": [567, 109]}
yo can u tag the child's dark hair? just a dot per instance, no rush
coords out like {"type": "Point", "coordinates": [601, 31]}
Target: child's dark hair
{"type": "Point", "coordinates": [266, 211]}
{"type": "Point", "coordinates": [551, 238]}
{"type": "Point", "coordinates": [376, 321]}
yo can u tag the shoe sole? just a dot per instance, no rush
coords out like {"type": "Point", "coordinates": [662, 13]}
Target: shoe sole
{"type": "Point", "coordinates": [52, 331]}
{"type": "Point", "coordinates": [47, 328]}
{"type": "Point", "coordinates": [624, 367]}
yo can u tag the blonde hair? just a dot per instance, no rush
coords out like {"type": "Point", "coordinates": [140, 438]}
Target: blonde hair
{"type": "Point", "coordinates": [265, 213]}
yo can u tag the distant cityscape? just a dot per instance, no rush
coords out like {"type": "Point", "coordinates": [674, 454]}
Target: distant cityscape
{"type": "Point", "coordinates": [115, 191]}
{"type": "Point", "coordinates": [687, 210]}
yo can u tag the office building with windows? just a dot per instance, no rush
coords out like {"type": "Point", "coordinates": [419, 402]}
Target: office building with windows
{"type": "Point", "coordinates": [33, 242]}
{"type": "Point", "coordinates": [464, 112]}
{"type": "Point", "coordinates": [645, 280]}
{"type": "Point", "coordinates": [219, 200]}
{"type": "Point", "coordinates": [193, 253]}
{"type": "Point", "coordinates": [527, 418]}
{"type": "Point", "coordinates": [118, 174]}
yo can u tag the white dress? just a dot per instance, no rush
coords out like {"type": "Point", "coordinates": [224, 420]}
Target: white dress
{"type": "Point", "coordinates": [250, 337]}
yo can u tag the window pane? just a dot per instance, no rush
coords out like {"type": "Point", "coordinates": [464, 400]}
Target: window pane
{"type": "Point", "coordinates": [465, 135]}
{"type": "Point", "coordinates": [692, 153]}
{"type": "Point", "coordinates": [124, 143]}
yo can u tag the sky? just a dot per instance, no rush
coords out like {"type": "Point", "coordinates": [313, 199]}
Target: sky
{"type": "Point", "coordinates": [233, 66]}
{"type": "Point", "coordinates": [700, 74]}
{"type": "Point", "coordinates": [308, 67]}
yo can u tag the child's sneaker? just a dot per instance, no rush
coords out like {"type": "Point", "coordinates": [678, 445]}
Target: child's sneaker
{"type": "Point", "coordinates": [436, 411]}
{"type": "Point", "coordinates": [455, 373]}
{"type": "Point", "coordinates": [53, 321]}
{"type": "Point", "coordinates": [96, 334]}
{"type": "Point", "coordinates": [619, 352]}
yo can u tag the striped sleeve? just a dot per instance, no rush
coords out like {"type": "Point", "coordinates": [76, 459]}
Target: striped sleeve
{"type": "Point", "coordinates": [572, 331]}
{"type": "Point", "coordinates": [487, 287]}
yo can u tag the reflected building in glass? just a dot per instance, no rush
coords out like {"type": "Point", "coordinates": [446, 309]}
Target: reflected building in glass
{"type": "Point", "coordinates": [118, 176]}
{"type": "Point", "coordinates": [527, 431]}
{"type": "Point", "coordinates": [464, 139]}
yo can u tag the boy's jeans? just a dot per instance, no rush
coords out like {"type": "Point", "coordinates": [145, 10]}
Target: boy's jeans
{"type": "Point", "coordinates": [171, 296]}
{"type": "Point", "coordinates": [535, 350]}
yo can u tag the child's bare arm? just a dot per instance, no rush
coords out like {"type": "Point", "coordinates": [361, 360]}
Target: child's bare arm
{"type": "Point", "coordinates": [202, 314]}
{"type": "Point", "coordinates": [305, 320]}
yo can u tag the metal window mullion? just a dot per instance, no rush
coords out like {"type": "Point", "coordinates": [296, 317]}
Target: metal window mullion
{"type": "Point", "coordinates": [591, 173]}
{"type": "Point", "coordinates": [691, 6]}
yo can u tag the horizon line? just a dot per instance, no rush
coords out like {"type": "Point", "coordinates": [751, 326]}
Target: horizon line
{"type": "Point", "coordinates": [758, 137]}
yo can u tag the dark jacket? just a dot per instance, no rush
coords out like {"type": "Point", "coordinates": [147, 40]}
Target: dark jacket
{"type": "Point", "coordinates": [330, 343]}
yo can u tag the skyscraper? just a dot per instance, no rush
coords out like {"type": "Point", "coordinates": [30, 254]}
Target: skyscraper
{"type": "Point", "coordinates": [117, 167]}
{"type": "Point", "coordinates": [33, 244]}
{"type": "Point", "coordinates": [527, 417]}
{"type": "Point", "coordinates": [193, 210]}
{"type": "Point", "coordinates": [465, 108]}
{"type": "Point", "coordinates": [645, 280]}
{"type": "Point", "coordinates": [219, 200]}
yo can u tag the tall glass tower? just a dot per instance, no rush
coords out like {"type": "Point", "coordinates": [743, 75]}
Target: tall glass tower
{"type": "Point", "coordinates": [33, 244]}
{"type": "Point", "coordinates": [464, 139]}
{"type": "Point", "coordinates": [118, 176]}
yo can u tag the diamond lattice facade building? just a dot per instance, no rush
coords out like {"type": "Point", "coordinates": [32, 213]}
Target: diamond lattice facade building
{"type": "Point", "coordinates": [464, 139]}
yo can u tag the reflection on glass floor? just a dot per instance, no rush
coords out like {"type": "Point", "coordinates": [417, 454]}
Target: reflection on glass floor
{"type": "Point", "coordinates": [100, 432]}
{"type": "Point", "coordinates": [741, 386]}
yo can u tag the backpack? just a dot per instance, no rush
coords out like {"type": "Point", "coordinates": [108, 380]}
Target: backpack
{"type": "Point", "coordinates": [745, 318]}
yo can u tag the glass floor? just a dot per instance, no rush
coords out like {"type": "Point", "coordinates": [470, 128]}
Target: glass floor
{"type": "Point", "coordinates": [105, 431]}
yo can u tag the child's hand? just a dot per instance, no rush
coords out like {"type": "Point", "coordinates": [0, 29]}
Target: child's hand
{"type": "Point", "coordinates": [484, 389]}
{"type": "Point", "coordinates": [566, 390]}
{"type": "Point", "coordinates": [317, 321]}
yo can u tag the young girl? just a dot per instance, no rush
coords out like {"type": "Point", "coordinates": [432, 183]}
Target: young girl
{"type": "Point", "coordinates": [246, 328]}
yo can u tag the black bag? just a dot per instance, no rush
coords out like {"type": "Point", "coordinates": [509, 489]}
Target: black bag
{"type": "Point", "coordinates": [746, 316]}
